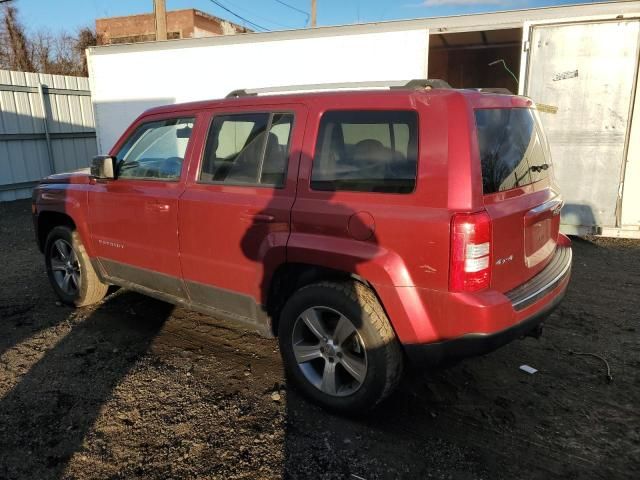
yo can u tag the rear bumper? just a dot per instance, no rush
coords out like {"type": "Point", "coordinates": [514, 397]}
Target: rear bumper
{"type": "Point", "coordinates": [546, 281]}
{"type": "Point", "coordinates": [473, 344]}
{"type": "Point", "coordinates": [470, 325]}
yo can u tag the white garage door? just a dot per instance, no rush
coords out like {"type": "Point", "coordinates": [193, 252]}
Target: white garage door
{"type": "Point", "coordinates": [588, 71]}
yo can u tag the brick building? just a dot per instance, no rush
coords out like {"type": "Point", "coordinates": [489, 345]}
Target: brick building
{"type": "Point", "coordinates": [189, 23]}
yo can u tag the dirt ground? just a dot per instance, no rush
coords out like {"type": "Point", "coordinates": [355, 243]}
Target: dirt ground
{"type": "Point", "coordinates": [135, 388]}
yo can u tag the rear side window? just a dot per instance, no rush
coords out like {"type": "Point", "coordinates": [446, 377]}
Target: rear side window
{"type": "Point", "coordinates": [511, 153]}
{"type": "Point", "coordinates": [247, 149]}
{"type": "Point", "coordinates": [366, 151]}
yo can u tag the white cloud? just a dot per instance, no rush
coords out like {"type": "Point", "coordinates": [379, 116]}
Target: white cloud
{"type": "Point", "coordinates": [460, 3]}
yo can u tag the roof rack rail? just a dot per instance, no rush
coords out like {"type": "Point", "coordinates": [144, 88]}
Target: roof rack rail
{"type": "Point", "coordinates": [415, 84]}
{"type": "Point", "coordinates": [502, 90]}
{"type": "Point", "coordinates": [241, 92]}
{"type": "Point", "coordinates": [424, 83]}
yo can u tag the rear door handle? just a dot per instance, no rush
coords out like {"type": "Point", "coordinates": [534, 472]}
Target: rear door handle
{"type": "Point", "coordinates": [259, 217]}
{"type": "Point", "coordinates": [263, 218]}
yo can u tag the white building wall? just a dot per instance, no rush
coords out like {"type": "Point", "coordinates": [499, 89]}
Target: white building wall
{"type": "Point", "coordinates": [124, 84]}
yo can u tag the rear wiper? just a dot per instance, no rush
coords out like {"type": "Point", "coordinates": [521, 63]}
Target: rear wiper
{"type": "Point", "coordinates": [539, 168]}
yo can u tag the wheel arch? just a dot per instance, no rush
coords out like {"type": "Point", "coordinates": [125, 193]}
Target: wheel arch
{"type": "Point", "coordinates": [47, 221]}
{"type": "Point", "coordinates": [61, 204]}
{"type": "Point", "coordinates": [290, 277]}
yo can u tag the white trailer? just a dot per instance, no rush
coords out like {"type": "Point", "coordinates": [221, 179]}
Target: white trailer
{"type": "Point", "coordinates": [580, 62]}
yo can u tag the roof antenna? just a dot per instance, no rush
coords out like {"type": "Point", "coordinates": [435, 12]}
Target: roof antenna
{"type": "Point", "coordinates": [504, 64]}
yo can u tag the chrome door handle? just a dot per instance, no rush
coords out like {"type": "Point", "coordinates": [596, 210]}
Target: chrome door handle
{"type": "Point", "coordinates": [258, 217]}
{"type": "Point", "coordinates": [263, 218]}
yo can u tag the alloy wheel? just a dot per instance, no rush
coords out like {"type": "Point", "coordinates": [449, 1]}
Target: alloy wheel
{"type": "Point", "coordinates": [329, 351]}
{"type": "Point", "coordinates": [65, 267]}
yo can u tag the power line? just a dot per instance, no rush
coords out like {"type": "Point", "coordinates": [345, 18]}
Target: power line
{"type": "Point", "coordinates": [294, 8]}
{"type": "Point", "coordinates": [255, 25]}
{"type": "Point", "coordinates": [259, 17]}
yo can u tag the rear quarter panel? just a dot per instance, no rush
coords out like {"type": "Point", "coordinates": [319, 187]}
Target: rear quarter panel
{"type": "Point", "coordinates": [409, 245]}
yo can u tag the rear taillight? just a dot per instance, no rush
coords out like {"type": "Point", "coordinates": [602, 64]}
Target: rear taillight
{"type": "Point", "coordinates": [470, 252]}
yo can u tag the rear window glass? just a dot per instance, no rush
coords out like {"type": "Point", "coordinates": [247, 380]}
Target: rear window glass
{"type": "Point", "coordinates": [366, 151]}
{"type": "Point", "coordinates": [511, 152]}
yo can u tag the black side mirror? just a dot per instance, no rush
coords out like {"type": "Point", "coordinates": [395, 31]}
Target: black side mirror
{"type": "Point", "coordinates": [104, 167]}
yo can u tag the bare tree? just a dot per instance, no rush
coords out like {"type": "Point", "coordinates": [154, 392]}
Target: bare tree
{"type": "Point", "coordinates": [40, 50]}
{"type": "Point", "coordinates": [45, 52]}
{"type": "Point", "coordinates": [15, 46]}
{"type": "Point", "coordinates": [86, 37]}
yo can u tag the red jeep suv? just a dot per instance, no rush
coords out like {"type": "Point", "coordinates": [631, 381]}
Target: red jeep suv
{"type": "Point", "coordinates": [362, 228]}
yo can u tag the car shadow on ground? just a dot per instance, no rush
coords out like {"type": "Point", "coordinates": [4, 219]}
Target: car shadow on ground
{"type": "Point", "coordinates": [24, 325]}
{"type": "Point", "coordinates": [23, 284]}
{"type": "Point", "coordinates": [45, 417]}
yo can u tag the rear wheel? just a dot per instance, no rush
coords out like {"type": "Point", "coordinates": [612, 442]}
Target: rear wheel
{"type": "Point", "coordinates": [69, 269]}
{"type": "Point", "coordinates": [339, 347]}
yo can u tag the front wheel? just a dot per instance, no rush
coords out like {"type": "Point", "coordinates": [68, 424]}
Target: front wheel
{"type": "Point", "coordinates": [69, 269]}
{"type": "Point", "coordinates": [339, 347]}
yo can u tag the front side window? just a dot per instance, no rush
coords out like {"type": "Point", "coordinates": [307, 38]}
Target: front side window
{"type": "Point", "coordinates": [511, 153]}
{"type": "Point", "coordinates": [250, 148]}
{"type": "Point", "coordinates": [366, 151]}
{"type": "Point", "coordinates": [156, 150]}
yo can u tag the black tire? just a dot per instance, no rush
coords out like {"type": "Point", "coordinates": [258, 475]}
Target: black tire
{"type": "Point", "coordinates": [384, 357]}
{"type": "Point", "coordinates": [90, 289]}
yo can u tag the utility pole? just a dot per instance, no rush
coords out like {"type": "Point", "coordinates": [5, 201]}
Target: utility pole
{"type": "Point", "coordinates": [313, 12]}
{"type": "Point", "coordinates": [160, 11]}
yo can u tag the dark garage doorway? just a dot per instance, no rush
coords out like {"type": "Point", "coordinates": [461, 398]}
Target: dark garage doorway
{"type": "Point", "coordinates": [473, 59]}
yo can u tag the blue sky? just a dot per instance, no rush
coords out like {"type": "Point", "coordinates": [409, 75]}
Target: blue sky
{"type": "Point", "coordinates": [56, 15]}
